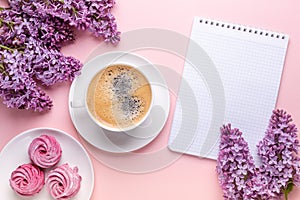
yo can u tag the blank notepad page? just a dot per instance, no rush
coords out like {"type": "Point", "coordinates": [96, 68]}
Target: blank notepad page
{"type": "Point", "coordinates": [249, 62]}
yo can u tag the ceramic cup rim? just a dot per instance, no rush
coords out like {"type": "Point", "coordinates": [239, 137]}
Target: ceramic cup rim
{"type": "Point", "coordinates": [120, 129]}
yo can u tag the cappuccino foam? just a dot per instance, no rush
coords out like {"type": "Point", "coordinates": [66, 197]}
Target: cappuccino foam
{"type": "Point", "coordinates": [119, 96]}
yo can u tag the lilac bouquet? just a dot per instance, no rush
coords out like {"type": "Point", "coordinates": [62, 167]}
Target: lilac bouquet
{"type": "Point", "coordinates": [94, 15]}
{"type": "Point", "coordinates": [280, 169]}
{"type": "Point", "coordinates": [279, 154]}
{"type": "Point", "coordinates": [32, 33]}
{"type": "Point", "coordinates": [235, 164]}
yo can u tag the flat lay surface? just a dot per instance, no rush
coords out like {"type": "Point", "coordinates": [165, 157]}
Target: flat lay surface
{"type": "Point", "coordinates": [154, 172]}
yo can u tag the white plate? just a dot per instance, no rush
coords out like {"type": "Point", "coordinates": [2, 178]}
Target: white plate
{"type": "Point", "coordinates": [115, 141]}
{"type": "Point", "coordinates": [15, 154]}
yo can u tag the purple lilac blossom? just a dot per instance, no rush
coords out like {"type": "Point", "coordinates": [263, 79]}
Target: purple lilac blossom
{"type": "Point", "coordinates": [36, 38]}
{"type": "Point", "coordinates": [17, 70]}
{"type": "Point", "coordinates": [94, 15]}
{"type": "Point", "coordinates": [17, 88]}
{"type": "Point", "coordinates": [49, 65]}
{"type": "Point", "coordinates": [17, 27]}
{"type": "Point", "coordinates": [235, 165]}
{"type": "Point", "coordinates": [279, 154]}
{"type": "Point", "coordinates": [37, 30]}
{"type": "Point", "coordinates": [280, 169]}
{"type": "Point", "coordinates": [41, 59]}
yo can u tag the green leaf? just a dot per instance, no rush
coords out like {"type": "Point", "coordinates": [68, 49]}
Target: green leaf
{"type": "Point", "coordinates": [288, 189]}
{"type": "Point", "coordinates": [7, 48]}
{"type": "Point", "coordinates": [1, 68]}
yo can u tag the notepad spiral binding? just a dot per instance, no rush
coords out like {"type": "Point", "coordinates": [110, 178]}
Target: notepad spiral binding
{"type": "Point", "coordinates": [242, 28]}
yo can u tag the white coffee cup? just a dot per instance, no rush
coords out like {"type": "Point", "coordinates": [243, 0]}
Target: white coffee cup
{"type": "Point", "coordinates": [98, 78]}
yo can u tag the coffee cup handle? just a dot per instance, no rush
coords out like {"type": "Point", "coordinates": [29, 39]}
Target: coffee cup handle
{"type": "Point", "coordinates": [77, 103]}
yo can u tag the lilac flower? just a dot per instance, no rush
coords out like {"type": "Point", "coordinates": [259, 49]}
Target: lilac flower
{"type": "Point", "coordinates": [238, 176]}
{"type": "Point", "coordinates": [49, 65]}
{"type": "Point", "coordinates": [32, 33]}
{"type": "Point", "coordinates": [18, 27]}
{"type": "Point", "coordinates": [258, 187]}
{"type": "Point", "coordinates": [94, 15]}
{"type": "Point", "coordinates": [235, 165]}
{"type": "Point", "coordinates": [279, 154]}
{"type": "Point", "coordinates": [17, 88]}
{"type": "Point", "coordinates": [21, 58]}
{"type": "Point", "coordinates": [280, 169]}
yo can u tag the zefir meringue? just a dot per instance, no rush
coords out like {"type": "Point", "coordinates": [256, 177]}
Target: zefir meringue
{"type": "Point", "coordinates": [27, 180]}
{"type": "Point", "coordinates": [63, 182]}
{"type": "Point", "coordinates": [45, 151]}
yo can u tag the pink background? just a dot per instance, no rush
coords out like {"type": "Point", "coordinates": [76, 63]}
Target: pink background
{"type": "Point", "coordinates": [189, 177]}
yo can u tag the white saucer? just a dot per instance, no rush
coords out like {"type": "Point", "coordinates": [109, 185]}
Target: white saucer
{"type": "Point", "coordinates": [15, 154]}
{"type": "Point", "coordinates": [118, 142]}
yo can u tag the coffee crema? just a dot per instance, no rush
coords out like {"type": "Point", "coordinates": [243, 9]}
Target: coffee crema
{"type": "Point", "coordinates": [119, 96]}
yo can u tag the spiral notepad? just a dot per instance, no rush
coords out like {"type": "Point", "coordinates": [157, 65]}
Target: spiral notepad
{"type": "Point", "coordinates": [249, 62]}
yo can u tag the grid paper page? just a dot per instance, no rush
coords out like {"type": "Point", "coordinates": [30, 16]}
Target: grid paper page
{"type": "Point", "coordinates": [250, 63]}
